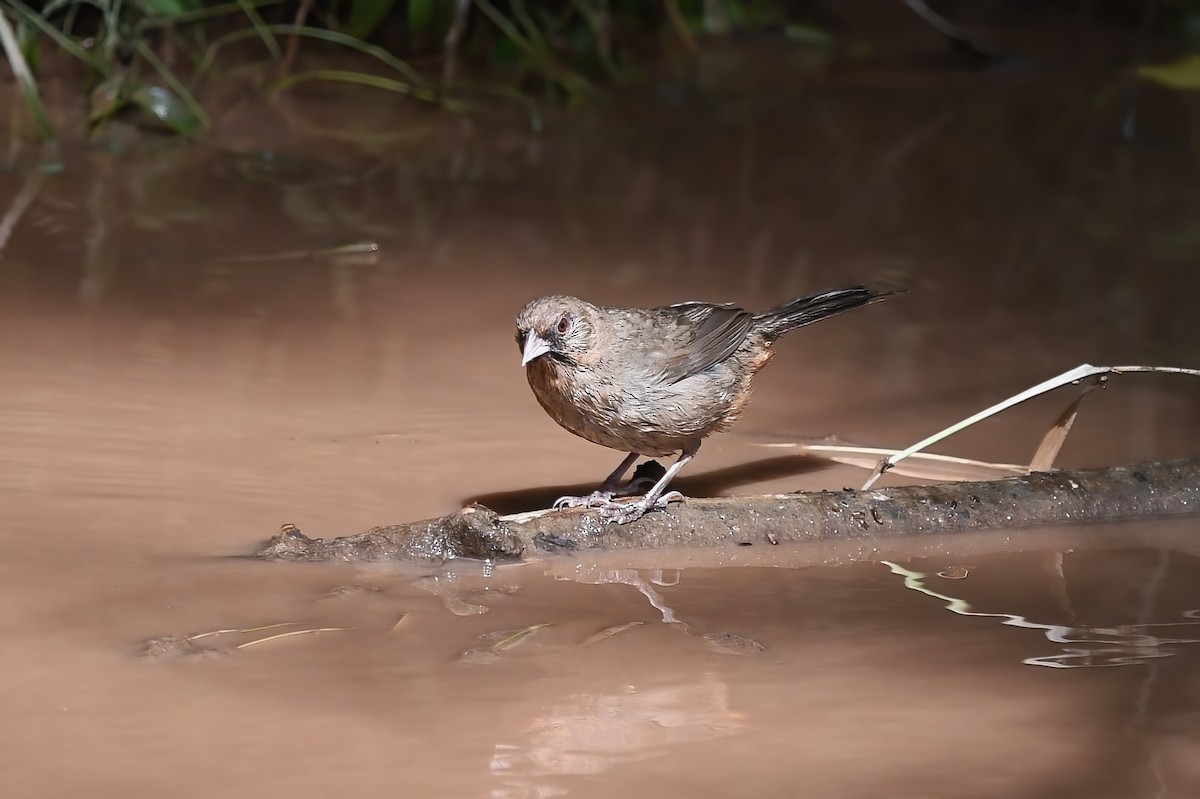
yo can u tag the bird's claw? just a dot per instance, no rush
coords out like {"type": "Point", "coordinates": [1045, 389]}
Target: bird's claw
{"type": "Point", "coordinates": [602, 498]}
{"type": "Point", "coordinates": [626, 512]}
{"type": "Point", "coordinates": [596, 499]}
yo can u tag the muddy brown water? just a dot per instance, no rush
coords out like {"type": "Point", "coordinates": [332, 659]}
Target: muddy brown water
{"type": "Point", "coordinates": [182, 372]}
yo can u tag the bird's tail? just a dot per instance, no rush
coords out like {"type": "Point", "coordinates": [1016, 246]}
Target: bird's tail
{"type": "Point", "coordinates": [806, 310]}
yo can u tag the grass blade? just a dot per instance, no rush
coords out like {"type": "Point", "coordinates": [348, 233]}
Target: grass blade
{"type": "Point", "coordinates": [360, 78]}
{"type": "Point", "coordinates": [260, 27]}
{"type": "Point", "coordinates": [572, 82]}
{"type": "Point", "coordinates": [61, 39]}
{"type": "Point", "coordinates": [25, 80]}
{"type": "Point", "coordinates": [1080, 372]}
{"type": "Point", "coordinates": [922, 465]}
{"type": "Point", "coordinates": [334, 37]}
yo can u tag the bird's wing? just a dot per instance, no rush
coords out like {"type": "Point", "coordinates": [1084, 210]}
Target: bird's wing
{"type": "Point", "coordinates": [716, 331]}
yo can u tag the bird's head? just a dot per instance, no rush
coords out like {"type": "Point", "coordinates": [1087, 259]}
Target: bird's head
{"type": "Point", "coordinates": [559, 328]}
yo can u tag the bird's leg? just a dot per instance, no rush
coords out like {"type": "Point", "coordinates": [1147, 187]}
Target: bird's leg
{"type": "Point", "coordinates": [623, 513]}
{"type": "Point", "coordinates": [604, 493]}
{"type": "Point", "coordinates": [643, 479]}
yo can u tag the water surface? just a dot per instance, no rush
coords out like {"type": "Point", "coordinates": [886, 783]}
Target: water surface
{"type": "Point", "coordinates": [187, 363]}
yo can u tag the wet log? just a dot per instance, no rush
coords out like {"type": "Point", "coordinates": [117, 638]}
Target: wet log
{"type": "Point", "coordinates": [1160, 489]}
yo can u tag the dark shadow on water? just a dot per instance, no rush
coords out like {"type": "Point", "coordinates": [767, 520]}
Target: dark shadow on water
{"type": "Point", "coordinates": [706, 484]}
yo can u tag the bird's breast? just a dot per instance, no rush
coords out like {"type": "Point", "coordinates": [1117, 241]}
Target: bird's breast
{"type": "Point", "coordinates": [638, 414]}
{"type": "Point", "coordinates": [578, 400]}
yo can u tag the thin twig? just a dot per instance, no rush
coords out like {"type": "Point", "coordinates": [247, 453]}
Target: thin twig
{"type": "Point", "coordinates": [679, 24]}
{"type": "Point", "coordinates": [1075, 375]}
{"type": "Point", "coordinates": [462, 8]}
{"type": "Point", "coordinates": [293, 46]}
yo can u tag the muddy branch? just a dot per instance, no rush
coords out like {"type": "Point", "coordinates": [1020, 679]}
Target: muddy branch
{"type": "Point", "coordinates": [1169, 488]}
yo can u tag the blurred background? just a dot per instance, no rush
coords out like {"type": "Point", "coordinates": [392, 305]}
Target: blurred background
{"type": "Point", "coordinates": [259, 263]}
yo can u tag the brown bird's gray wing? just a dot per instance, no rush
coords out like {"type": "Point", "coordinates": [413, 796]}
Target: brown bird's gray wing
{"type": "Point", "coordinates": [710, 334]}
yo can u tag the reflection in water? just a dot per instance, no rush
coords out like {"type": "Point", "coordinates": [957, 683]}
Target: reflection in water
{"type": "Point", "coordinates": [1124, 645]}
{"type": "Point", "coordinates": [490, 645]}
{"type": "Point", "coordinates": [463, 593]}
{"type": "Point", "coordinates": [445, 587]}
{"type": "Point", "coordinates": [718, 640]}
{"type": "Point", "coordinates": [591, 733]}
{"type": "Point", "coordinates": [596, 576]}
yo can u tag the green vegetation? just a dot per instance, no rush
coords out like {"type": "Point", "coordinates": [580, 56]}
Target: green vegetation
{"type": "Point", "coordinates": [150, 58]}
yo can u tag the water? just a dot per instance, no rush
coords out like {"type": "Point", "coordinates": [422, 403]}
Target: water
{"type": "Point", "coordinates": [186, 365]}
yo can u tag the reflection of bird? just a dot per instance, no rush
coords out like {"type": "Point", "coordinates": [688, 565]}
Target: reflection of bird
{"type": "Point", "coordinates": [653, 382]}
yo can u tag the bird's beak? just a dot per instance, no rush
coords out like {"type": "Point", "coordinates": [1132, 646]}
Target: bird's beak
{"type": "Point", "coordinates": [535, 347]}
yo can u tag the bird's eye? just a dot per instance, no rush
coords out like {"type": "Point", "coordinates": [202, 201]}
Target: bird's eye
{"type": "Point", "coordinates": [564, 324]}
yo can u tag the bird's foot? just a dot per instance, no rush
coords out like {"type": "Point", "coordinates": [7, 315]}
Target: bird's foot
{"type": "Point", "coordinates": [626, 512]}
{"type": "Point", "coordinates": [636, 487]}
{"type": "Point", "coordinates": [644, 478]}
{"type": "Point", "coordinates": [596, 499]}
{"type": "Point", "coordinates": [642, 481]}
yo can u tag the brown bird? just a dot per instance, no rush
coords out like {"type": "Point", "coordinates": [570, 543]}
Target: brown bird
{"type": "Point", "coordinates": [654, 381]}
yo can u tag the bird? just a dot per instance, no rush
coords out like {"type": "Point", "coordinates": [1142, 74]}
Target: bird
{"type": "Point", "coordinates": [655, 381]}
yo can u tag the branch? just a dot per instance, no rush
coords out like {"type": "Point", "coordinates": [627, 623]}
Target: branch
{"type": "Point", "coordinates": [1168, 488]}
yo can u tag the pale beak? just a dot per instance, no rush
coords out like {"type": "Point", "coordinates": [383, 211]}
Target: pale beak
{"type": "Point", "coordinates": [535, 347]}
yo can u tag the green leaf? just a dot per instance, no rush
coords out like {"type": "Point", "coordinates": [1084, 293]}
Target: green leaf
{"type": "Point", "coordinates": [365, 16]}
{"type": "Point", "coordinates": [207, 11]}
{"type": "Point", "coordinates": [166, 107]}
{"type": "Point", "coordinates": [422, 17]}
{"type": "Point", "coordinates": [107, 99]}
{"type": "Point", "coordinates": [177, 90]}
{"type": "Point", "coordinates": [1182, 75]}
{"type": "Point", "coordinates": [167, 8]}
